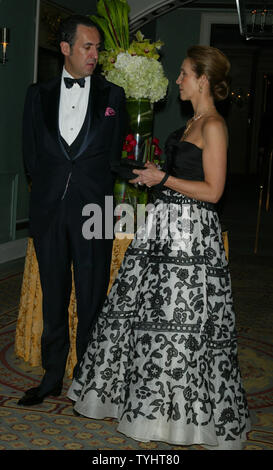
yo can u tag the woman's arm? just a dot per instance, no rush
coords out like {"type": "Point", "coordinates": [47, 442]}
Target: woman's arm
{"type": "Point", "coordinates": [214, 135]}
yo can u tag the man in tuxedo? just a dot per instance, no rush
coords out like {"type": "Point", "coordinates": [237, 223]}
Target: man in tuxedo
{"type": "Point", "coordinates": [73, 129]}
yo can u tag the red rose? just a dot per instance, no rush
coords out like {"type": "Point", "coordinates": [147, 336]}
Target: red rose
{"type": "Point", "coordinates": [158, 151]}
{"type": "Point", "coordinates": [128, 147]}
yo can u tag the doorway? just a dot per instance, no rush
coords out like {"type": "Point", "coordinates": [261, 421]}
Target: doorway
{"type": "Point", "coordinates": [251, 95]}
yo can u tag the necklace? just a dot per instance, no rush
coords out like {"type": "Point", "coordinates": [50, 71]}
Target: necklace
{"type": "Point", "coordinates": [190, 123]}
{"type": "Point", "coordinates": [208, 111]}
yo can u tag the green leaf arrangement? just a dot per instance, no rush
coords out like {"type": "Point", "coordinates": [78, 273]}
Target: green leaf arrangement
{"type": "Point", "coordinates": [134, 66]}
{"type": "Point", "coordinates": [112, 18]}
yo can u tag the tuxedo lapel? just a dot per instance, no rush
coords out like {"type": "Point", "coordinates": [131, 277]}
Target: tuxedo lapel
{"type": "Point", "coordinates": [50, 97]}
{"type": "Point", "coordinates": [98, 99]}
{"type": "Point", "coordinates": [90, 119]}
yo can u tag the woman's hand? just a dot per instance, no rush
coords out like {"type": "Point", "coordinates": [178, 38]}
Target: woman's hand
{"type": "Point", "coordinates": [150, 177]}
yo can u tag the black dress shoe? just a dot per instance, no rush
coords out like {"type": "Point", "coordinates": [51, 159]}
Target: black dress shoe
{"type": "Point", "coordinates": [34, 397]}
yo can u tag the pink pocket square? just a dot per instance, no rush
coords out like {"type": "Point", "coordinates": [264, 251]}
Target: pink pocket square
{"type": "Point", "coordinates": [110, 112]}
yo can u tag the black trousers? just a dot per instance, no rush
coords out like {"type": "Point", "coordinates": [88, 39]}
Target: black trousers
{"type": "Point", "coordinates": [62, 245]}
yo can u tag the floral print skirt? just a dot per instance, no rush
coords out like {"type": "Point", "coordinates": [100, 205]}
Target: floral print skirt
{"type": "Point", "coordinates": [162, 359]}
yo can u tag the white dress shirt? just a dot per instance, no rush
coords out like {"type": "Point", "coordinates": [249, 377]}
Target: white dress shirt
{"type": "Point", "coordinates": [73, 107]}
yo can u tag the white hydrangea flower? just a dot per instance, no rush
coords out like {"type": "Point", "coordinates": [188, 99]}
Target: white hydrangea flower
{"type": "Point", "coordinates": [141, 77]}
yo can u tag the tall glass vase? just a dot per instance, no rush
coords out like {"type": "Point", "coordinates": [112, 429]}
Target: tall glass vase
{"type": "Point", "coordinates": [140, 115]}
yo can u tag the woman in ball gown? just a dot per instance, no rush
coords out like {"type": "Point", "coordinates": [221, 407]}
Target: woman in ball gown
{"type": "Point", "coordinates": [163, 355]}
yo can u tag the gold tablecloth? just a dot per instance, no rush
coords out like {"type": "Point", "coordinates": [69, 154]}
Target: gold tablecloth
{"type": "Point", "coordinates": [30, 323]}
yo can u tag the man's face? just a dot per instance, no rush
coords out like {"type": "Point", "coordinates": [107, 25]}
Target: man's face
{"type": "Point", "coordinates": [81, 59]}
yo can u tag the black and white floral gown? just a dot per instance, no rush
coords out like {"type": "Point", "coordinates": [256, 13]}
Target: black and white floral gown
{"type": "Point", "coordinates": [162, 359]}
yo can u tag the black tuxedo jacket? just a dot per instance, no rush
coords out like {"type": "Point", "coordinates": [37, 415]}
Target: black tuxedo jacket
{"type": "Point", "coordinates": [50, 168]}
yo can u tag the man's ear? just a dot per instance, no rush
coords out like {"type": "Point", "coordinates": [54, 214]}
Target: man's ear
{"type": "Point", "coordinates": [65, 48]}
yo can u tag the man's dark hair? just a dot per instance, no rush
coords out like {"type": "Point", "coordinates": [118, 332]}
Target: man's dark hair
{"type": "Point", "coordinates": [68, 28]}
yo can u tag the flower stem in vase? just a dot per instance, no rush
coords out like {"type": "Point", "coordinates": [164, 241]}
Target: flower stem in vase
{"type": "Point", "coordinates": [147, 150]}
{"type": "Point", "coordinates": [140, 114]}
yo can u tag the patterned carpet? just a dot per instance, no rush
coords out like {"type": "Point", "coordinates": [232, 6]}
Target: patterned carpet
{"type": "Point", "coordinates": [53, 426]}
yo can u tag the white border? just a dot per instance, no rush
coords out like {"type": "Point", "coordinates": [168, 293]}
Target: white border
{"type": "Point", "coordinates": [207, 19]}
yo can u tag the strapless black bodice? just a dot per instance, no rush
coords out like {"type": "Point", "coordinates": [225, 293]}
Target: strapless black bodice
{"type": "Point", "coordinates": [183, 159]}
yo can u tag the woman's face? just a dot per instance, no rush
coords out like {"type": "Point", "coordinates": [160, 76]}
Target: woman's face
{"type": "Point", "coordinates": [187, 81]}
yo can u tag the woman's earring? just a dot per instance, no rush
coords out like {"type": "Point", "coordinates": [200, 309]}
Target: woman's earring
{"type": "Point", "coordinates": [200, 88]}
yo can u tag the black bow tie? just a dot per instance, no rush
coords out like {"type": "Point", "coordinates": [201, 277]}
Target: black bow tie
{"type": "Point", "coordinates": [69, 82]}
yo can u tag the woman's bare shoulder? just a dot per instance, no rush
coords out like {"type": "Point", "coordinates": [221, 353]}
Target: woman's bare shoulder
{"type": "Point", "coordinates": [214, 120]}
{"type": "Point", "coordinates": [214, 124]}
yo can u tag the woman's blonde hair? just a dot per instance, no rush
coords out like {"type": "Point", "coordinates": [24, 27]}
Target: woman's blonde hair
{"type": "Point", "coordinates": [212, 63]}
